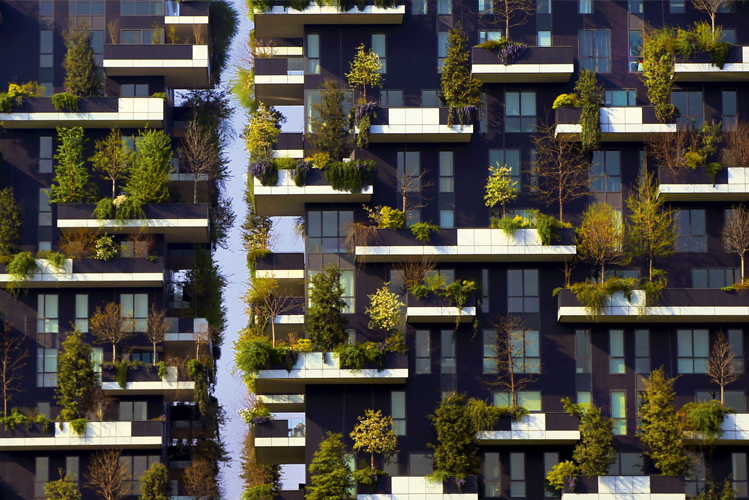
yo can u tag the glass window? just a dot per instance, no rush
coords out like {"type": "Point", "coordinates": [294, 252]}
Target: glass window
{"type": "Point", "coordinates": [43, 408]}
{"type": "Point", "coordinates": [379, 48]}
{"type": "Point", "coordinates": [585, 6]}
{"type": "Point", "coordinates": [621, 98]}
{"type": "Point", "coordinates": [730, 113]}
{"type": "Point", "coordinates": [423, 352]}
{"type": "Point", "coordinates": [522, 291]}
{"type": "Point", "coordinates": [313, 53]}
{"type": "Point", "coordinates": [543, 6]}
{"type": "Point", "coordinates": [419, 464]}
{"type": "Point", "coordinates": [517, 475]}
{"type": "Point", "coordinates": [690, 230]}
{"type": "Point", "coordinates": [409, 184]}
{"type": "Point", "coordinates": [595, 50]}
{"type": "Point", "coordinates": [135, 307]}
{"type": "Point", "coordinates": [448, 379]}
{"type": "Point", "coordinates": [447, 218]}
{"type": "Point", "coordinates": [642, 351]}
{"type": "Point", "coordinates": [398, 412]}
{"type": "Point", "coordinates": [689, 106]}
{"type": "Point", "coordinates": [45, 155]}
{"type": "Point", "coordinates": [502, 399]}
{"type": "Point", "coordinates": [46, 359]}
{"type": "Point", "coordinates": [419, 7]}
{"type": "Point", "coordinates": [391, 98]}
{"type": "Point", "coordinates": [605, 172]}
{"type": "Point", "coordinates": [142, 7]}
{"type": "Point", "coordinates": [444, 7]}
{"type": "Point", "coordinates": [133, 411]}
{"type": "Point", "coordinates": [327, 230]}
{"type": "Point", "coordinates": [635, 6]}
{"type": "Point", "coordinates": [583, 397]}
{"type": "Point", "coordinates": [728, 36]}
{"type": "Point", "coordinates": [442, 44]}
{"type": "Point", "coordinates": [582, 351]}
{"type": "Point", "coordinates": [693, 351]}
{"type": "Point", "coordinates": [81, 312]}
{"type": "Point", "coordinates": [739, 473]}
{"type": "Point", "coordinates": [485, 290]}
{"type": "Point", "coordinates": [41, 476]}
{"type": "Point", "coordinates": [531, 400]}
{"type": "Point", "coordinates": [429, 99]}
{"type": "Point", "coordinates": [520, 111]}
{"type": "Point", "coordinates": [736, 400]}
{"type": "Point", "coordinates": [676, 6]}
{"type": "Point", "coordinates": [490, 35]}
{"type": "Point", "coordinates": [134, 468]}
{"type": "Point", "coordinates": [635, 50]}
{"type": "Point", "coordinates": [543, 38]}
{"type": "Point", "coordinates": [526, 351]}
{"type": "Point", "coordinates": [490, 354]}
{"type": "Point", "coordinates": [550, 460]}
{"type": "Point", "coordinates": [492, 475]}
{"type": "Point", "coordinates": [47, 311]}
{"type": "Point", "coordinates": [619, 412]}
{"type": "Point", "coordinates": [616, 352]}
{"type": "Point", "coordinates": [45, 209]}
{"type": "Point", "coordinates": [715, 278]}
{"type": "Point", "coordinates": [736, 342]}
{"type": "Point", "coordinates": [485, 7]}
{"type": "Point", "coordinates": [509, 158]}
{"type": "Point", "coordinates": [447, 175]}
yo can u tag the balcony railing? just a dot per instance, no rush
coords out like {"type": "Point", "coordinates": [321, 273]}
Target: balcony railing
{"type": "Point", "coordinates": [536, 65]}
{"type": "Point", "coordinates": [437, 309]}
{"type": "Point", "coordinates": [395, 125]}
{"type": "Point", "coordinates": [420, 486]}
{"type": "Point", "coordinates": [182, 65]}
{"type": "Point", "coordinates": [536, 428]}
{"type": "Point", "coordinates": [625, 487]}
{"type": "Point", "coordinates": [686, 184]}
{"type": "Point", "coordinates": [148, 434]}
{"type": "Point", "coordinates": [280, 441]}
{"type": "Point", "coordinates": [735, 427]}
{"type": "Point", "coordinates": [285, 267]}
{"type": "Point", "coordinates": [617, 124]}
{"type": "Point", "coordinates": [146, 380]}
{"type": "Point", "coordinates": [132, 272]}
{"type": "Point", "coordinates": [699, 68]}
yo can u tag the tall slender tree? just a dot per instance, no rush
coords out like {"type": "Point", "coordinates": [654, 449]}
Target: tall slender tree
{"type": "Point", "coordinates": [10, 214]}
{"type": "Point", "coordinates": [13, 356]}
{"type": "Point", "coordinates": [76, 378]}
{"type": "Point", "coordinates": [325, 322]}
{"type": "Point", "coordinates": [71, 182]}
{"type": "Point", "coordinates": [111, 158]}
{"type": "Point", "coordinates": [82, 77]}
{"type": "Point", "coordinates": [329, 128]}
{"type": "Point", "coordinates": [366, 70]}
{"type": "Point", "coordinates": [735, 233]}
{"type": "Point", "coordinates": [722, 366]}
{"type": "Point", "coordinates": [110, 326]}
{"type": "Point", "coordinates": [150, 167]}
{"type": "Point", "coordinates": [106, 476]}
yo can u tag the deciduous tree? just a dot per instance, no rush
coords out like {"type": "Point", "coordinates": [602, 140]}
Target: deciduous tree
{"type": "Point", "coordinates": [266, 299]}
{"type": "Point", "coordinates": [157, 327]}
{"type": "Point", "coordinates": [509, 348]}
{"type": "Point", "coordinates": [330, 473]}
{"type": "Point", "coordinates": [13, 356]}
{"type": "Point", "coordinates": [735, 233]}
{"type": "Point", "coordinates": [154, 483]}
{"type": "Point", "coordinates": [110, 326]}
{"type": "Point", "coordinates": [722, 365]}
{"type": "Point", "coordinates": [111, 158]}
{"type": "Point", "coordinates": [199, 155]}
{"type": "Point", "coordinates": [600, 237]}
{"type": "Point", "coordinates": [366, 70]}
{"type": "Point", "coordinates": [500, 188]}
{"type": "Point", "coordinates": [711, 8]}
{"type": "Point", "coordinates": [325, 322]}
{"type": "Point", "coordinates": [512, 13]}
{"type": "Point", "coordinates": [200, 480]}
{"type": "Point", "coordinates": [385, 310]}
{"type": "Point", "coordinates": [107, 476]}
{"type": "Point", "coordinates": [374, 435]}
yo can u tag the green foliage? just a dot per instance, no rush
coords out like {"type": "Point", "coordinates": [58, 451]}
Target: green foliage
{"type": "Point", "coordinates": [121, 368]}
{"type": "Point", "coordinates": [374, 434]}
{"type": "Point", "coordinates": [510, 225]}
{"type": "Point", "coordinates": [329, 128]}
{"type": "Point", "coordinates": [205, 283]}
{"type": "Point", "coordinates": [713, 169]}
{"type": "Point", "coordinates": [111, 158]}
{"type": "Point", "coordinates": [82, 76]}
{"type": "Point", "coordinates": [595, 452]}
{"type": "Point", "coordinates": [658, 70]}
{"type": "Point", "coordinates": [590, 94]}
{"type": "Point", "coordinates": [458, 87]}
{"type": "Point", "coordinates": [19, 269]}
{"type": "Point", "coordinates": [106, 248]}
{"type": "Point", "coordinates": [56, 260]}
{"type": "Point", "coordinates": [458, 291]}
{"type": "Point", "coordinates": [62, 489]}
{"type": "Point", "coordinates": [163, 373]}
{"type": "Point", "coordinates": [104, 209]}
{"type": "Point", "coordinates": [326, 325]}
{"type": "Point", "coordinates": [6, 103]}
{"type": "Point", "coordinates": [593, 295]}
{"type": "Point", "coordinates": [660, 427]}
{"type": "Point", "coordinates": [10, 223]}
{"type": "Point", "coordinates": [600, 237]}
{"type": "Point", "coordinates": [150, 167]}
{"type": "Point", "coordinates": [78, 426]}
{"type": "Point", "coordinates": [71, 182]}
{"type": "Point", "coordinates": [500, 187]}
{"type": "Point", "coordinates": [366, 70]}
{"type": "Point", "coordinates": [154, 483]}
{"type": "Point", "coordinates": [199, 372]}
{"type": "Point", "coordinates": [385, 309]}
{"type": "Point", "coordinates": [15, 418]}
{"type": "Point", "coordinates": [391, 218]}
{"type": "Point", "coordinates": [159, 95]}
{"type": "Point", "coordinates": [28, 89]}
{"type": "Point", "coordinates": [250, 414]}
{"type": "Point", "coordinates": [565, 100]}
{"type": "Point", "coordinates": [419, 290]}
{"type": "Point", "coordinates": [706, 418]}
{"type": "Point", "coordinates": [253, 354]}
{"type": "Point", "coordinates": [711, 491]}
{"type": "Point", "coordinates": [223, 23]}
{"type": "Point", "coordinates": [702, 38]}
{"type": "Point", "coordinates": [243, 87]}
{"type": "Point", "coordinates": [350, 176]}
{"type": "Point", "coordinates": [547, 227]}
{"type": "Point", "coordinates": [330, 473]}
{"type": "Point", "coordinates": [261, 133]}
{"type": "Point", "coordinates": [422, 230]}
{"type": "Point", "coordinates": [561, 471]}
{"type": "Point", "coordinates": [300, 172]}
{"type": "Point", "coordinates": [65, 102]}
{"type": "Point", "coordinates": [285, 163]}
{"type": "Point", "coordinates": [304, 345]}
{"type": "Point", "coordinates": [76, 378]}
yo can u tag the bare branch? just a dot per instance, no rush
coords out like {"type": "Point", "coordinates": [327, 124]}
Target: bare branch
{"type": "Point", "coordinates": [722, 365]}
{"type": "Point", "coordinates": [199, 155]}
{"type": "Point", "coordinates": [514, 369]}
{"type": "Point", "coordinates": [107, 477]}
{"type": "Point", "coordinates": [735, 233]}
{"type": "Point", "coordinates": [12, 359]}
{"type": "Point", "coordinates": [513, 13]}
{"type": "Point", "coordinates": [110, 326]}
{"type": "Point", "coordinates": [157, 327]}
{"type": "Point", "coordinates": [200, 480]}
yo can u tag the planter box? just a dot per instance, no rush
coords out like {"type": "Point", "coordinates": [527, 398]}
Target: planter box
{"type": "Point", "coordinates": [536, 65]}
{"type": "Point", "coordinates": [686, 184]}
{"type": "Point", "coordinates": [535, 428]}
{"type": "Point", "coordinates": [617, 123]}
{"type": "Point", "coordinates": [699, 68]}
{"type": "Point", "coordinates": [625, 487]}
{"type": "Point", "coordinates": [396, 125]}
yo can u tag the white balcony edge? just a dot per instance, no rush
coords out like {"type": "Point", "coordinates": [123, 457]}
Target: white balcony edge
{"type": "Point", "coordinates": [97, 434]}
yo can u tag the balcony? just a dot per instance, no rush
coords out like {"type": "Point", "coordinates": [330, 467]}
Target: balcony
{"type": "Point", "coordinates": [617, 124]}
{"type": "Point", "coordinates": [94, 273]}
{"type": "Point", "coordinates": [287, 199]}
{"type": "Point", "coordinates": [287, 268]}
{"type": "Point", "coordinates": [677, 305]}
{"type": "Point", "coordinates": [285, 22]}
{"type": "Point", "coordinates": [324, 368]}
{"type": "Point", "coordinates": [396, 125]}
{"type": "Point", "coordinates": [128, 435]}
{"type": "Point", "coordinates": [413, 487]}
{"type": "Point", "coordinates": [145, 380]}
{"type": "Point", "coordinates": [625, 488]}
{"type": "Point", "coordinates": [93, 112]}
{"type": "Point", "coordinates": [280, 81]}
{"type": "Point", "coordinates": [536, 428]}
{"type": "Point", "coordinates": [686, 184]}
{"type": "Point", "coordinates": [186, 13]}
{"type": "Point", "coordinates": [289, 145]}
{"type": "Point", "coordinates": [436, 309]}
{"type": "Point", "coordinates": [178, 222]}
{"type": "Point", "coordinates": [280, 442]}
{"type": "Point", "coordinates": [183, 66]}
{"type": "Point", "coordinates": [188, 330]}
{"type": "Point", "coordinates": [698, 68]}
{"type": "Point", "coordinates": [282, 402]}
{"type": "Point", "coordinates": [735, 428]}
{"type": "Point", "coordinates": [536, 65]}
{"type": "Point", "coordinates": [468, 245]}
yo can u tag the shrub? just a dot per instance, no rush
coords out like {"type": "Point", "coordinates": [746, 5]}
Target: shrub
{"type": "Point", "coordinates": [510, 225]}
{"type": "Point", "coordinates": [593, 296]}
{"type": "Point", "coordinates": [419, 291]}
{"type": "Point", "coordinates": [590, 93]}
{"type": "Point", "coordinates": [458, 87]}
{"type": "Point", "coordinates": [351, 176]}
{"type": "Point", "coordinates": [565, 100]}
{"type": "Point", "coordinates": [159, 95]}
{"type": "Point", "coordinates": [321, 160]}
{"type": "Point", "coordinates": [391, 218]}
{"type": "Point", "coordinates": [20, 268]}
{"type": "Point", "coordinates": [10, 223]}
{"type": "Point", "coordinates": [561, 471]}
{"type": "Point", "coordinates": [704, 417]}
{"type": "Point", "coordinates": [422, 229]}
{"type": "Point", "coordinates": [79, 426]}
{"type": "Point", "coordinates": [265, 171]}
{"type": "Point", "coordinates": [300, 172]}
{"type": "Point", "coordinates": [56, 260]}
{"type": "Point", "coordinates": [6, 103]}
{"type": "Point", "coordinates": [284, 163]}
{"type": "Point", "coordinates": [104, 209]}
{"type": "Point", "coordinates": [163, 372]}
{"type": "Point", "coordinates": [106, 249]}
{"type": "Point", "coordinates": [65, 102]}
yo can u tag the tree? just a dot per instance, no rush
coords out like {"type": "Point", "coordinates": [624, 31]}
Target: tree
{"type": "Point", "coordinates": [261, 132]}
{"type": "Point", "coordinates": [150, 167]}
{"type": "Point", "coordinates": [410, 187]}
{"type": "Point", "coordinates": [76, 378]}
{"type": "Point", "coordinates": [325, 322]}
{"type": "Point", "coordinates": [712, 7]}
{"type": "Point", "coordinates": [366, 69]}
{"type": "Point", "coordinates": [330, 473]}
{"type": "Point", "coordinates": [200, 480]}
{"type": "Point", "coordinates": [595, 452]}
{"type": "Point", "coordinates": [107, 476]}
{"type": "Point", "coordinates": [10, 231]}
{"type": "Point", "coordinates": [660, 428]}
{"type": "Point", "coordinates": [722, 365]}
{"type": "Point", "coordinates": [12, 359]}
{"type": "Point", "coordinates": [198, 154]}
{"type": "Point", "coordinates": [385, 310]}
{"type": "Point", "coordinates": [500, 188]}
{"type": "Point", "coordinates": [590, 94]}
{"type": "Point", "coordinates": [456, 432]}
{"type": "Point", "coordinates": [329, 128]}
{"type": "Point", "coordinates": [509, 347]}
{"type": "Point", "coordinates": [157, 327]}
{"type": "Point", "coordinates": [111, 158]}
{"type": "Point", "coordinates": [736, 152]}
{"type": "Point", "coordinates": [109, 325]}
{"type": "Point", "coordinates": [154, 483]}
{"type": "Point", "coordinates": [459, 87]}
{"type": "Point", "coordinates": [71, 182]}
{"type": "Point", "coordinates": [650, 230]}
{"type": "Point", "coordinates": [265, 299]}
{"type": "Point", "coordinates": [512, 13]}
{"type": "Point", "coordinates": [374, 434]}
{"type": "Point", "coordinates": [62, 489]}
{"type": "Point", "coordinates": [561, 170]}
{"type": "Point", "coordinates": [600, 237]}
{"type": "Point", "coordinates": [82, 76]}
{"type": "Point", "coordinates": [735, 233]}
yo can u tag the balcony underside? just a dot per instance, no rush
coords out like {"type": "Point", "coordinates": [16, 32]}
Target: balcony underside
{"type": "Point", "coordinates": [280, 23]}
{"type": "Point", "coordinates": [705, 72]}
{"type": "Point", "coordinates": [635, 133]}
{"type": "Point", "coordinates": [549, 253]}
{"type": "Point", "coordinates": [85, 120]}
{"type": "Point", "coordinates": [657, 314]}
{"type": "Point", "coordinates": [283, 402]}
{"type": "Point", "coordinates": [426, 133]}
{"type": "Point", "coordinates": [281, 450]}
{"type": "Point", "coordinates": [520, 438]}
{"type": "Point", "coordinates": [280, 90]}
{"type": "Point", "coordinates": [293, 204]}
{"type": "Point", "coordinates": [523, 73]}
{"type": "Point", "coordinates": [174, 230]}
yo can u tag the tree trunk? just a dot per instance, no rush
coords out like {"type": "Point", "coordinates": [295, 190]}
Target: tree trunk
{"type": "Point", "coordinates": [195, 189]}
{"type": "Point", "coordinates": [712, 22]}
{"type": "Point", "coordinates": [603, 272]}
{"type": "Point", "coordinates": [721, 394]}
{"type": "Point", "coordinates": [742, 268]}
{"type": "Point", "coordinates": [507, 20]}
{"type": "Point", "coordinates": [114, 352]}
{"type": "Point", "coordinates": [273, 330]}
{"type": "Point", "coordinates": [371, 461]}
{"type": "Point", "coordinates": [650, 267]}
{"type": "Point", "coordinates": [114, 188]}
{"type": "Point", "coordinates": [154, 353]}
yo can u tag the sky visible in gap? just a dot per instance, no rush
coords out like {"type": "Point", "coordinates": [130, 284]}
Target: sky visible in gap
{"type": "Point", "coordinates": [230, 390]}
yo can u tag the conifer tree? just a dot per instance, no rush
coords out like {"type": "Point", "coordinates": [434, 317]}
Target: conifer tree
{"type": "Point", "coordinates": [325, 322]}
{"type": "Point", "coordinates": [459, 87]}
{"type": "Point", "coordinates": [75, 378]}
{"type": "Point", "coordinates": [10, 231]}
{"type": "Point", "coordinates": [595, 452]}
{"type": "Point", "coordinates": [329, 128]}
{"type": "Point", "coordinates": [71, 182]}
{"type": "Point", "coordinates": [149, 170]}
{"type": "Point", "coordinates": [82, 76]}
{"type": "Point", "coordinates": [330, 474]}
{"type": "Point", "coordinates": [154, 483]}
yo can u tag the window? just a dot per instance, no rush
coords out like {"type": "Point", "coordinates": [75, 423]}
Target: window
{"type": "Point", "coordinates": [728, 98]}
{"type": "Point", "coordinates": [526, 351]}
{"type": "Point", "coordinates": [550, 460]}
{"type": "Point", "coordinates": [485, 7]}
{"type": "Point", "coordinates": [616, 352]}
{"type": "Point", "coordinates": [485, 290]}
{"type": "Point", "coordinates": [642, 352]}
{"type": "Point", "coordinates": [448, 377]}
{"type": "Point", "coordinates": [626, 464]}
{"type": "Point", "coordinates": [347, 283]}
{"type": "Point", "coordinates": [605, 172]}
{"type": "Point", "coordinates": [313, 53]}
{"type": "Point", "coordinates": [635, 51]}
{"type": "Point", "coordinates": [689, 105]}
{"type": "Point", "coordinates": [736, 341]}
{"type": "Point", "coordinates": [595, 50]}
{"type": "Point", "coordinates": [690, 230]}
{"type": "Point", "coordinates": [46, 8]}
{"type": "Point", "coordinates": [733, 399]}
{"type": "Point", "coordinates": [47, 311]}
{"type": "Point", "coordinates": [81, 312]}
{"type": "Point", "coordinates": [429, 99]}
{"type": "Point", "coordinates": [391, 98]}
{"type": "Point", "coordinates": [135, 306]}
{"type": "Point", "coordinates": [41, 476]}
{"type": "Point", "coordinates": [619, 412]}
{"type": "Point", "coordinates": [738, 466]}
{"type": "Point", "coordinates": [695, 481]}
{"type": "Point", "coordinates": [134, 90]}
{"type": "Point", "coordinates": [45, 209]}
{"type": "Point", "coordinates": [642, 164]}
{"type": "Point", "coordinates": [442, 45]}
{"type": "Point", "coordinates": [520, 111]}
{"type": "Point", "coordinates": [423, 352]}
{"type": "Point", "coordinates": [133, 411]}
{"type": "Point", "coordinates": [522, 291]}
{"type": "Point", "coordinates": [447, 176]}
{"type": "Point", "coordinates": [583, 397]}
{"type": "Point", "coordinates": [635, 6]}
{"type": "Point", "coordinates": [89, 8]}
{"type": "Point", "coordinates": [582, 351]}
{"type": "Point", "coordinates": [492, 475]}
{"type": "Point", "coordinates": [693, 350]}
{"type": "Point", "coordinates": [134, 469]}
{"type": "Point", "coordinates": [147, 357]}
{"type": "Point", "coordinates": [490, 348]}
{"type": "Point", "coordinates": [43, 408]}
{"type": "Point", "coordinates": [543, 6]}
{"type": "Point", "coordinates": [97, 358]}
{"type": "Point", "coordinates": [409, 183]}
{"type": "Point", "coordinates": [46, 48]}
{"type": "Point", "coordinates": [531, 400]}
{"type": "Point", "coordinates": [728, 36]}
{"type": "Point", "coordinates": [419, 7]}
{"type": "Point", "coordinates": [45, 155]}
{"type": "Point", "coordinates": [327, 230]}
{"type": "Point", "coordinates": [543, 38]}
{"type": "Point", "coordinates": [533, 171]}
{"type": "Point", "coordinates": [715, 278]}
{"type": "Point", "coordinates": [398, 412]}
{"type": "Point", "coordinates": [142, 37]}
{"type": "Point", "coordinates": [379, 48]}
{"type": "Point", "coordinates": [676, 6]}
{"type": "Point", "coordinates": [585, 6]}
{"type": "Point", "coordinates": [509, 158]}
{"type": "Point", "coordinates": [97, 42]}
{"type": "Point", "coordinates": [490, 35]}
{"type": "Point", "coordinates": [621, 98]}
{"type": "Point", "coordinates": [444, 7]}
{"type": "Point", "coordinates": [419, 464]}
{"type": "Point", "coordinates": [46, 359]}
{"type": "Point", "coordinates": [517, 475]}
{"type": "Point", "coordinates": [142, 7]}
